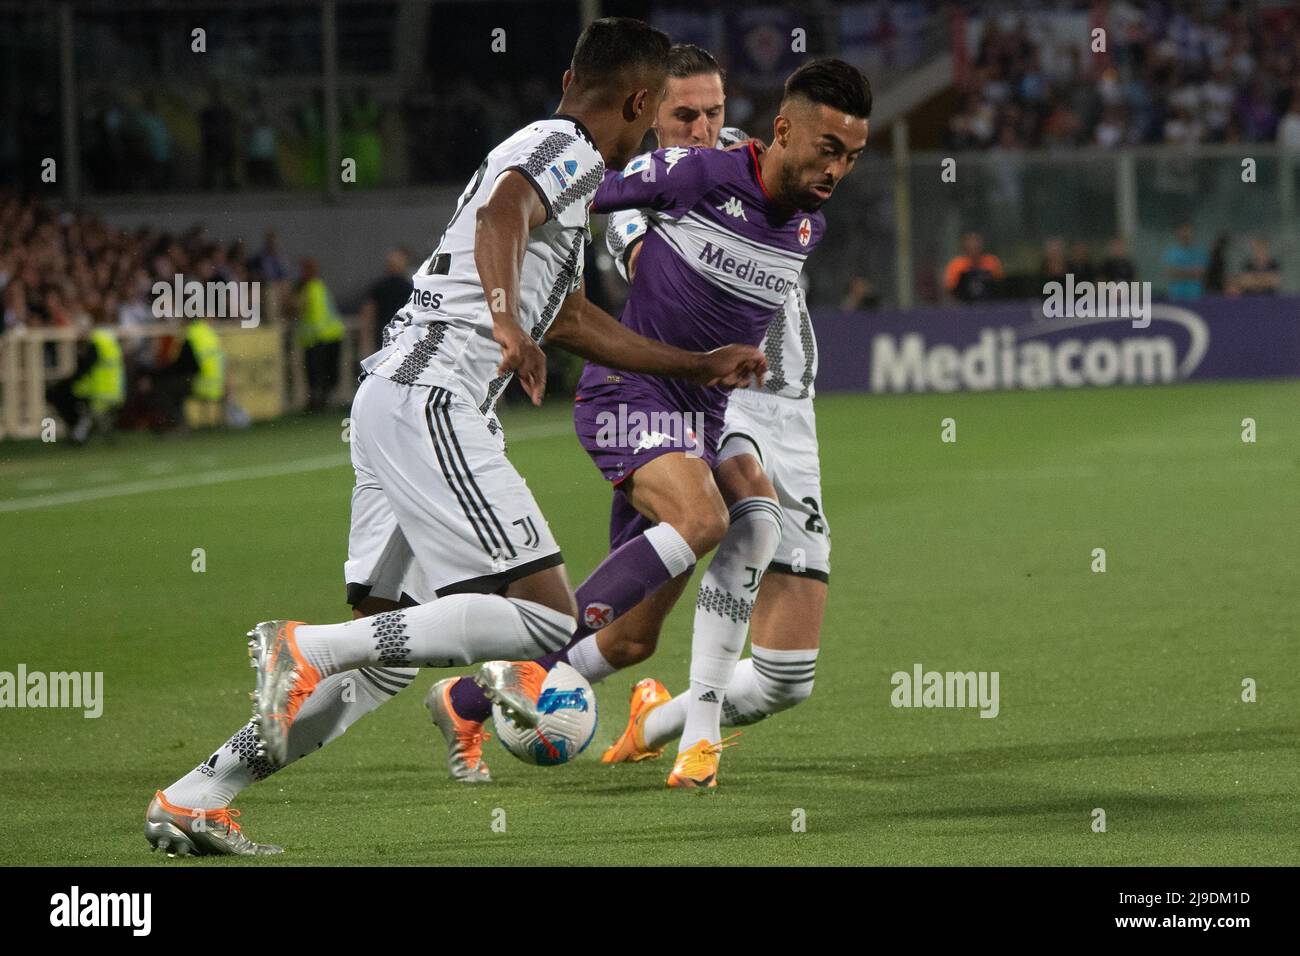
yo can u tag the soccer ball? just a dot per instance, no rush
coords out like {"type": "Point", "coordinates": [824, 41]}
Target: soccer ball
{"type": "Point", "coordinates": [567, 705]}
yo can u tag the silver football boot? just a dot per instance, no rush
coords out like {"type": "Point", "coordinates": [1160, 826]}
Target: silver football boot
{"type": "Point", "coordinates": [282, 680]}
{"type": "Point", "coordinates": [514, 686]}
{"type": "Point", "coordinates": [464, 737]}
{"type": "Point", "coordinates": [180, 832]}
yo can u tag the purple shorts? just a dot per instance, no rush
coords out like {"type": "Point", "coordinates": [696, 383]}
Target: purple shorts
{"type": "Point", "coordinates": [623, 427]}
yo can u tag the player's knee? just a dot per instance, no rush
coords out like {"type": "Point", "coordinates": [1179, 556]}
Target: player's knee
{"type": "Point", "coordinates": [704, 528]}
{"type": "Point", "coordinates": [631, 650]}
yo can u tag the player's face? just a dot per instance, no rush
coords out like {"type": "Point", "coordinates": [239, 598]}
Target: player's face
{"type": "Point", "coordinates": [693, 111]}
{"type": "Point", "coordinates": [821, 145]}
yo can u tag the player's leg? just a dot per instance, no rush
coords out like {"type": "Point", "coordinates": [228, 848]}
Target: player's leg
{"type": "Point", "coordinates": [190, 815]}
{"type": "Point", "coordinates": [684, 516]}
{"type": "Point", "coordinates": [785, 630]}
{"type": "Point", "coordinates": [785, 636]}
{"type": "Point", "coordinates": [723, 610]}
{"type": "Point", "coordinates": [454, 494]}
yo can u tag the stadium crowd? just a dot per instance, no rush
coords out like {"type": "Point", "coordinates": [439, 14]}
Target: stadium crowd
{"type": "Point", "coordinates": [1190, 270]}
{"type": "Point", "coordinates": [72, 270]}
{"type": "Point", "coordinates": [1171, 74]}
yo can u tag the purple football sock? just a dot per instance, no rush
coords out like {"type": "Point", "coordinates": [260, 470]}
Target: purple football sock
{"type": "Point", "coordinates": [630, 574]}
{"type": "Point", "coordinates": [627, 576]}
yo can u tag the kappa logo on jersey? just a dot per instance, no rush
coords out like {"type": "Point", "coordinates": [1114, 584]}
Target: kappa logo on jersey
{"type": "Point", "coordinates": [570, 166]}
{"type": "Point", "coordinates": [732, 207]}
{"type": "Point", "coordinates": [652, 440]}
{"type": "Point", "coordinates": [597, 615]}
{"type": "Point", "coordinates": [672, 157]}
{"type": "Point", "coordinates": [805, 232]}
{"type": "Point", "coordinates": [638, 165]}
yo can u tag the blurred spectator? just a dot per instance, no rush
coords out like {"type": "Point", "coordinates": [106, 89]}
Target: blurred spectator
{"type": "Point", "coordinates": [217, 128]}
{"type": "Point", "coordinates": [96, 387]}
{"type": "Point", "coordinates": [197, 371]}
{"type": "Point", "coordinates": [1054, 267]}
{"type": "Point", "coordinates": [384, 297]}
{"type": "Point", "coordinates": [861, 294]}
{"type": "Point", "coordinates": [1216, 272]}
{"type": "Point", "coordinates": [320, 334]}
{"type": "Point", "coordinates": [1288, 131]}
{"type": "Point", "coordinates": [973, 275]}
{"type": "Point", "coordinates": [1079, 262]}
{"type": "Point", "coordinates": [1185, 264]}
{"type": "Point", "coordinates": [269, 264]}
{"type": "Point", "coordinates": [1260, 273]}
{"type": "Point", "coordinates": [16, 313]}
{"type": "Point", "coordinates": [1117, 266]}
{"type": "Point", "coordinates": [260, 151]}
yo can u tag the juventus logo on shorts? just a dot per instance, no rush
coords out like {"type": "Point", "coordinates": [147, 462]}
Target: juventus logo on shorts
{"type": "Point", "coordinates": [531, 537]}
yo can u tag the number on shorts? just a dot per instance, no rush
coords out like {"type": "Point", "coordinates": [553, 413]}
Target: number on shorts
{"type": "Point", "coordinates": [814, 522]}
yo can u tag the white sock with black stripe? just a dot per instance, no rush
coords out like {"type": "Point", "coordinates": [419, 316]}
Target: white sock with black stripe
{"type": "Point", "coordinates": [762, 685]}
{"type": "Point", "coordinates": [452, 631]}
{"type": "Point", "coordinates": [722, 612]}
{"type": "Point", "coordinates": [338, 702]}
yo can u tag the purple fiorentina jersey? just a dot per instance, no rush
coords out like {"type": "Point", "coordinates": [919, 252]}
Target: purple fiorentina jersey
{"type": "Point", "coordinates": [715, 266]}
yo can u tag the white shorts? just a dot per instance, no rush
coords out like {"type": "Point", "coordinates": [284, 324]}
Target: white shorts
{"type": "Point", "coordinates": [782, 434]}
{"type": "Point", "coordinates": [437, 508]}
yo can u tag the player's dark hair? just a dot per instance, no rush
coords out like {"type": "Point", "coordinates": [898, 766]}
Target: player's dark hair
{"type": "Point", "coordinates": [619, 46]}
{"type": "Point", "coordinates": [833, 83]}
{"type": "Point", "coordinates": [687, 59]}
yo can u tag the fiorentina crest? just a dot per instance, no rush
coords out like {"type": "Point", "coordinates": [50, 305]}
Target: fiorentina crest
{"type": "Point", "coordinates": [597, 615]}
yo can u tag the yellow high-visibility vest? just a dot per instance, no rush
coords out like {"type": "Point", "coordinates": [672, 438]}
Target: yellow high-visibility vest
{"type": "Point", "coordinates": [104, 386]}
{"type": "Point", "coordinates": [210, 382]}
{"type": "Point", "coordinates": [317, 320]}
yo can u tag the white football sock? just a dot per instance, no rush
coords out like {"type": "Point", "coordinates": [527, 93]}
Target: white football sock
{"type": "Point", "coordinates": [585, 658]}
{"type": "Point", "coordinates": [722, 612]}
{"type": "Point", "coordinates": [338, 702]}
{"type": "Point", "coordinates": [762, 685]}
{"type": "Point", "coordinates": [452, 631]}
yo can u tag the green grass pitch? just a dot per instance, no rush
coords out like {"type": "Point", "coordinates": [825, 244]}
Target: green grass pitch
{"type": "Point", "coordinates": [1119, 690]}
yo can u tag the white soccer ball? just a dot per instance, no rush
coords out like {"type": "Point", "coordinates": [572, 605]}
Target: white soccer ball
{"type": "Point", "coordinates": [568, 722]}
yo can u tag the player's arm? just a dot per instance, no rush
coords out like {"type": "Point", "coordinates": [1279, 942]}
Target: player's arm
{"type": "Point", "coordinates": [668, 181]}
{"type": "Point", "coordinates": [624, 233]}
{"type": "Point", "coordinates": [629, 261]}
{"type": "Point", "coordinates": [587, 330]}
{"type": "Point", "coordinates": [503, 223]}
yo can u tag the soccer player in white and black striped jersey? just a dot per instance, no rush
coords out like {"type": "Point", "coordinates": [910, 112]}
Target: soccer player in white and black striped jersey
{"type": "Point", "coordinates": [434, 490]}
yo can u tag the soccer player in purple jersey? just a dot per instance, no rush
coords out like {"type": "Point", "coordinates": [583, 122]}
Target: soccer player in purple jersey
{"type": "Point", "coordinates": [730, 232]}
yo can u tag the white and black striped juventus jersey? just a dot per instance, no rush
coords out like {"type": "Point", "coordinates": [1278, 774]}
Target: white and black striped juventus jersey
{"type": "Point", "coordinates": [790, 345]}
{"type": "Point", "coordinates": [443, 335]}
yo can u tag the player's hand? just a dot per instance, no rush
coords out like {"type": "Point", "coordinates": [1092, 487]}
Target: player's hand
{"type": "Point", "coordinates": [521, 355]}
{"type": "Point", "coordinates": [732, 366]}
